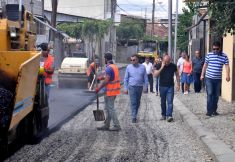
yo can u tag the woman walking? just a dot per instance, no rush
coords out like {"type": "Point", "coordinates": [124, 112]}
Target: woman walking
{"type": "Point", "coordinates": [187, 77]}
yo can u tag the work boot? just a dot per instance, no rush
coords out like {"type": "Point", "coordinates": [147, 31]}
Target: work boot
{"type": "Point", "coordinates": [104, 127]}
{"type": "Point", "coordinates": [115, 128]}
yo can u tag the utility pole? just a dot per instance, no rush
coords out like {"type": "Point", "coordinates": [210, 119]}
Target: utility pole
{"type": "Point", "coordinates": [176, 27]}
{"type": "Point", "coordinates": [53, 18]}
{"type": "Point", "coordinates": [145, 14]}
{"type": "Point", "coordinates": [170, 27]}
{"type": "Point", "coordinates": [153, 13]}
{"type": "Point", "coordinates": [113, 28]}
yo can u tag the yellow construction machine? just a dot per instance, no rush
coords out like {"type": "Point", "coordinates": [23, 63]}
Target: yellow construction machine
{"type": "Point", "coordinates": [24, 111]}
{"type": "Point", "coordinates": [149, 49]}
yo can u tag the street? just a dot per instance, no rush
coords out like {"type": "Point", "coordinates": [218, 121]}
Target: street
{"type": "Point", "coordinates": [148, 140]}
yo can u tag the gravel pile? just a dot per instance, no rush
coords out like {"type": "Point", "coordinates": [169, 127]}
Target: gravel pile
{"type": "Point", "coordinates": [149, 140]}
{"type": "Point", "coordinates": [223, 125]}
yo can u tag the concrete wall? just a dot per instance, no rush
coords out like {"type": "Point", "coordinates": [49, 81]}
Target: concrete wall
{"type": "Point", "coordinates": [228, 88]}
{"type": "Point", "coordinates": [124, 53]}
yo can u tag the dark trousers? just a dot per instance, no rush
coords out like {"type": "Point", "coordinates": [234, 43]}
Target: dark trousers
{"type": "Point", "coordinates": [197, 82]}
{"type": "Point", "coordinates": [213, 87]}
{"type": "Point", "coordinates": [150, 79]}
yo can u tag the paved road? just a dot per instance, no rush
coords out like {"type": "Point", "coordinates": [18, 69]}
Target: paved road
{"type": "Point", "coordinates": [65, 103]}
{"type": "Point", "coordinates": [149, 140]}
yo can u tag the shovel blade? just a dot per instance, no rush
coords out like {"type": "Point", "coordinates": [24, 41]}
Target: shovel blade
{"type": "Point", "coordinates": [99, 115]}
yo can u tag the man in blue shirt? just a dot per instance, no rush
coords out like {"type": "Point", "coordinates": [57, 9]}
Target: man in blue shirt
{"type": "Point", "coordinates": [135, 81]}
{"type": "Point", "coordinates": [198, 62]}
{"type": "Point", "coordinates": [213, 67]}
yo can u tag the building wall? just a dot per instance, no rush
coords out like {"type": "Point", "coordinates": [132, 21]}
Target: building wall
{"type": "Point", "coordinates": [93, 9]}
{"type": "Point", "coordinates": [228, 92]}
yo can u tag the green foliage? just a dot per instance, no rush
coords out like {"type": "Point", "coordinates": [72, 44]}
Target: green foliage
{"type": "Point", "coordinates": [95, 29]}
{"type": "Point", "coordinates": [87, 29]}
{"type": "Point", "coordinates": [185, 21]}
{"type": "Point", "coordinates": [72, 29]}
{"type": "Point", "coordinates": [130, 30]}
{"type": "Point", "coordinates": [222, 16]}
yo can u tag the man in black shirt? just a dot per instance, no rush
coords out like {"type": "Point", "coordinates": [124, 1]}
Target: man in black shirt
{"type": "Point", "coordinates": [166, 71]}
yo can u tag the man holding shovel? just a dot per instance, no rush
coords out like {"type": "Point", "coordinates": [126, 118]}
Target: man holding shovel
{"type": "Point", "coordinates": [112, 86]}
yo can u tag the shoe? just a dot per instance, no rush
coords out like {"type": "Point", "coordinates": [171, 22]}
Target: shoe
{"type": "Point", "coordinates": [186, 92]}
{"type": "Point", "coordinates": [134, 120]}
{"type": "Point", "coordinates": [208, 114]}
{"type": "Point", "coordinates": [103, 128]}
{"type": "Point", "coordinates": [157, 94]}
{"type": "Point", "coordinates": [170, 119]}
{"type": "Point", "coordinates": [115, 128]}
{"type": "Point", "coordinates": [163, 118]}
{"type": "Point", "coordinates": [152, 92]}
{"type": "Point", "coordinates": [215, 113]}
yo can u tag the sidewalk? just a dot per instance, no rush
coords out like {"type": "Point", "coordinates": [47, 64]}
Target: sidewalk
{"type": "Point", "coordinates": [218, 132]}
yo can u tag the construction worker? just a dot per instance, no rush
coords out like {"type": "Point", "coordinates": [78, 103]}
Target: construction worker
{"type": "Point", "coordinates": [112, 87]}
{"type": "Point", "coordinates": [48, 64]}
{"type": "Point", "coordinates": [91, 72]}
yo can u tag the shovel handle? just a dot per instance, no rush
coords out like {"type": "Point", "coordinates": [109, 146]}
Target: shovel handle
{"type": "Point", "coordinates": [97, 101]}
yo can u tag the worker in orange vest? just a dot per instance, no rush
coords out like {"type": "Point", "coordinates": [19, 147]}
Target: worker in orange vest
{"type": "Point", "coordinates": [48, 64]}
{"type": "Point", "coordinates": [91, 72]}
{"type": "Point", "coordinates": [112, 86]}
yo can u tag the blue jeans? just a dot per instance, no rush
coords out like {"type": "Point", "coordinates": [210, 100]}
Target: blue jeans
{"type": "Point", "coordinates": [167, 95]}
{"type": "Point", "coordinates": [213, 87]}
{"type": "Point", "coordinates": [197, 82]}
{"type": "Point", "coordinates": [135, 93]}
{"type": "Point", "coordinates": [157, 84]}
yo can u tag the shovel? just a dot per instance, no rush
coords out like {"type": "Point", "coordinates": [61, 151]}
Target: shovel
{"type": "Point", "coordinates": [98, 114]}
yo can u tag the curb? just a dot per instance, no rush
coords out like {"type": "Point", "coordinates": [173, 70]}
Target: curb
{"type": "Point", "coordinates": [216, 147]}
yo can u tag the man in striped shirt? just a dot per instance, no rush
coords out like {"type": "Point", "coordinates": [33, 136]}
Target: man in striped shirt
{"type": "Point", "coordinates": [213, 66]}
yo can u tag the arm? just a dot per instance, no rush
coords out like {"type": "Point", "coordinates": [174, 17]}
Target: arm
{"type": "Point", "coordinates": [126, 81]}
{"type": "Point", "coordinates": [177, 79]}
{"type": "Point", "coordinates": [203, 70]}
{"type": "Point", "coordinates": [103, 83]}
{"type": "Point", "coordinates": [157, 72]}
{"type": "Point", "coordinates": [145, 81]}
{"type": "Point", "coordinates": [227, 68]}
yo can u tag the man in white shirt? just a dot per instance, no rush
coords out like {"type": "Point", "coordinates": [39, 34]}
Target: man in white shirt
{"type": "Point", "coordinates": [180, 63]}
{"type": "Point", "coordinates": [149, 69]}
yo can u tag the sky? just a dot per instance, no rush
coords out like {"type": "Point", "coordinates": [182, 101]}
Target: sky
{"type": "Point", "coordinates": [138, 7]}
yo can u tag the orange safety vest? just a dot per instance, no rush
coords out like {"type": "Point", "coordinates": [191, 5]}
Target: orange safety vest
{"type": "Point", "coordinates": [48, 65]}
{"type": "Point", "coordinates": [113, 87]}
{"type": "Point", "coordinates": [90, 69]}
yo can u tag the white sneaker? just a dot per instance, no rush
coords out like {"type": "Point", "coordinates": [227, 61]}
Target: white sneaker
{"type": "Point", "coordinates": [186, 92]}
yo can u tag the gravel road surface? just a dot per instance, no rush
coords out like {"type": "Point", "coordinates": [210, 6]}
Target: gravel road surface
{"type": "Point", "coordinates": [148, 140]}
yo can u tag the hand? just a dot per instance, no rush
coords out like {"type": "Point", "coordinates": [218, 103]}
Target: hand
{"type": "Point", "coordinates": [97, 90]}
{"type": "Point", "coordinates": [202, 77]}
{"type": "Point", "coordinates": [125, 91]}
{"type": "Point", "coordinates": [178, 87]}
{"type": "Point", "coordinates": [100, 78]}
{"type": "Point", "coordinates": [228, 78]}
{"type": "Point", "coordinates": [163, 65]}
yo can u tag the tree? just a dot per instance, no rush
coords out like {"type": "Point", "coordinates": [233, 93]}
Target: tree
{"type": "Point", "coordinates": [130, 30]}
{"type": "Point", "coordinates": [94, 30]}
{"type": "Point", "coordinates": [72, 29]}
{"type": "Point", "coordinates": [222, 15]}
{"type": "Point", "coordinates": [185, 21]}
